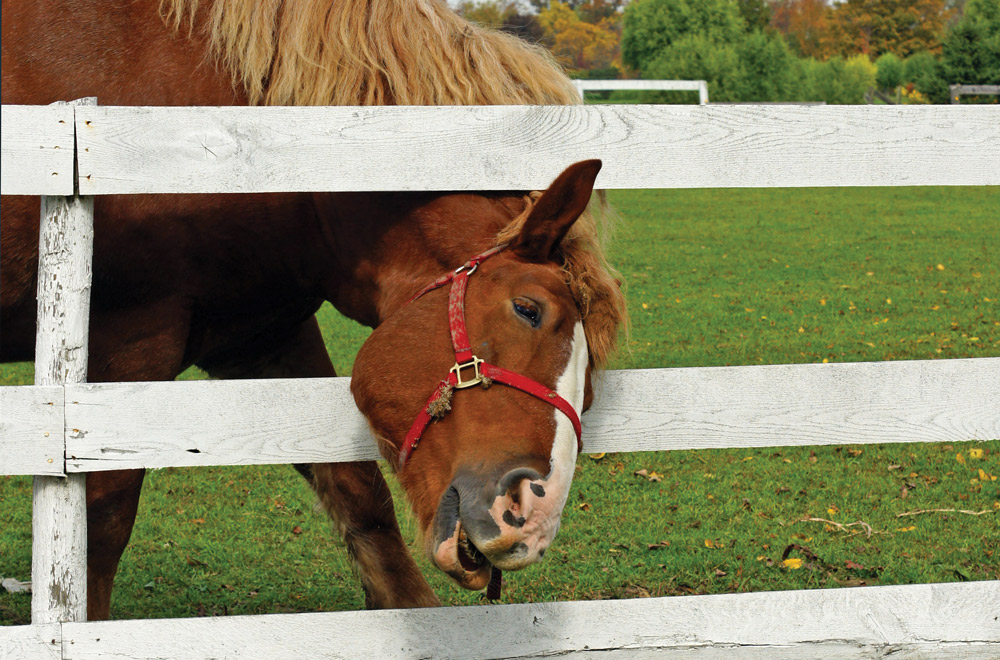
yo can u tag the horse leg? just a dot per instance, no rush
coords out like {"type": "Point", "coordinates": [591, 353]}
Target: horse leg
{"type": "Point", "coordinates": [355, 495]}
{"type": "Point", "coordinates": [154, 354]}
{"type": "Point", "coordinates": [112, 501]}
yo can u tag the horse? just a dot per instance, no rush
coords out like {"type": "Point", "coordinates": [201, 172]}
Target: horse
{"type": "Point", "coordinates": [231, 283]}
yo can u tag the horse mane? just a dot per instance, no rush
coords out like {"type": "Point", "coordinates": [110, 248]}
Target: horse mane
{"type": "Point", "coordinates": [403, 52]}
{"type": "Point", "coordinates": [371, 52]}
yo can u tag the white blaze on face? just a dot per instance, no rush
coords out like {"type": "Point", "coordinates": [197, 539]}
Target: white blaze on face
{"type": "Point", "coordinates": [541, 502]}
{"type": "Point", "coordinates": [570, 386]}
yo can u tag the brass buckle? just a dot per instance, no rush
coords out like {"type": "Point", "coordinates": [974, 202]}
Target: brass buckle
{"type": "Point", "coordinates": [474, 365]}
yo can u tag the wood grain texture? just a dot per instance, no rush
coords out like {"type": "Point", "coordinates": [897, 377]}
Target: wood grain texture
{"type": "Point", "coordinates": [922, 621]}
{"type": "Point", "coordinates": [127, 425]}
{"type": "Point", "coordinates": [36, 150]}
{"type": "Point", "coordinates": [247, 422]}
{"type": "Point", "coordinates": [138, 149]}
{"type": "Point", "coordinates": [31, 430]}
{"type": "Point", "coordinates": [38, 642]}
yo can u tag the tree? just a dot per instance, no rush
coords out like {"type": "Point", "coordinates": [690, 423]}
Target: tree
{"type": "Point", "coordinates": [889, 74]}
{"type": "Point", "coordinates": [971, 50]}
{"type": "Point", "coordinates": [580, 46]}
{"type": "Point", "coordinates": [873, 27]}
{"type": "Point", "coordinates": [805, 25]}
{"type": "Point", "coordinates": [756, 13]}
{"type": "Point", "coordinates": [651, 26]}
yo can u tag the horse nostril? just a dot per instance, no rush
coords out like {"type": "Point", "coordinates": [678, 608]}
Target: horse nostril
{"type": "Point", "coordinates": [510, 482]}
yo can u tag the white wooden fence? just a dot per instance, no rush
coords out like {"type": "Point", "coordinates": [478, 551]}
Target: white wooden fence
{"type": "Point", "coordinates": [699, 86]}
{"type": "Point", "coordinates": [61, 428]}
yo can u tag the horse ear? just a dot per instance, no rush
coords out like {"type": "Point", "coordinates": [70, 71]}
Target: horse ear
{"type": "Point", "coordinates": [556, 211]}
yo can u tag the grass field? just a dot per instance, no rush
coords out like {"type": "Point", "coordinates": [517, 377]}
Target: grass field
{"type": "Point", "coordinates": [715, 277]}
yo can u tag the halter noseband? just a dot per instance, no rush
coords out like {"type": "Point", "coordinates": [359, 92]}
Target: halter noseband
{"type": "Point", "coordinates": [468, 369]}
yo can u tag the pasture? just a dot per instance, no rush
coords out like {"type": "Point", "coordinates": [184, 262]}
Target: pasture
{"type": "Point", "coordinates": [715, 277]}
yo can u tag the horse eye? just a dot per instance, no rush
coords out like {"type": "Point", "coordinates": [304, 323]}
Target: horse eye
{"type": "Point", "coordinates": [528, 311]}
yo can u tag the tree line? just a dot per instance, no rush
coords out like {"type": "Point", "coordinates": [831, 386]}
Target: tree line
{"type": "Point", "coordinates": [902, 51]}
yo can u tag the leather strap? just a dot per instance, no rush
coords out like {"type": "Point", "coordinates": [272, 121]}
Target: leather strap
{"type": "Point", "coordinates": [439, 402]}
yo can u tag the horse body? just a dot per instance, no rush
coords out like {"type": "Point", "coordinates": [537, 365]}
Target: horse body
{"type": "Point", "coordinates": [231, 283]}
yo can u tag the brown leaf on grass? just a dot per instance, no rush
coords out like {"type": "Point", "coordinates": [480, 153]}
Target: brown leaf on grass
{"type": "Point", "coordinates": [583, 506]}
{"type": "Point", "coordinates": [641, 473]}
{"type": "Point", "coordinates": [296, 530]}
{"type": "Point", "coordinates": [658, 545]}
{"type": "Point", "coordinates": [854, 566]}
{"type": "Point", "coordinates": [904, 492]}
{"type": "Point", "coordinates": [198, 521]}
{"type": "Point", "coordinates": [720, 573]}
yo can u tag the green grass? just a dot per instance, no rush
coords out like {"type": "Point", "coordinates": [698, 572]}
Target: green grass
{"type": "Point", "coordinates": [714, 277]}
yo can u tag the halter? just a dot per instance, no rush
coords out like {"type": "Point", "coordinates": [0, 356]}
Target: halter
{"type": "Point", "coordinates": [470, 370]}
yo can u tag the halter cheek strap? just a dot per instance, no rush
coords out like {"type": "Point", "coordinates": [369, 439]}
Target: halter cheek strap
{"type": "Point", "coordinates": [468, 369]}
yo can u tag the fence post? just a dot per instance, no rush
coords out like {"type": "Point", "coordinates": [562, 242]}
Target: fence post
{"type": "Point", "coordinates": [59, 507]}
{"type": "Point", "coordinates": [702, 92]}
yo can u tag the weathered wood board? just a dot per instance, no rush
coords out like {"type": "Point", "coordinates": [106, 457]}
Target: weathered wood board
{"type": "Point", "coordinates": [38, 642]}
{"type": "Point", "coordinates": [36, 156]}
{"type": "Point", "coordinates": [262, 149]}
{"type": "Point", "coordinates": [127, 425]}
{"type": "Point", "coordinates": [31, 430]}
{"type": "Point", "coordinates": [943, 621]}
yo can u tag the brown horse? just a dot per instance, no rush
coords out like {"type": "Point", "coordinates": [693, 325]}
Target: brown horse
{"type": "Point", "coordinates": [231, 282]}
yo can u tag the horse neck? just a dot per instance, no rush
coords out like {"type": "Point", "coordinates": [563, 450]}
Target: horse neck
{"type": "Point", "coordinates": [387, 246]}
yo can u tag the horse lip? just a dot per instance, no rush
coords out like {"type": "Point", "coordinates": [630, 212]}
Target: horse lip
{"type": "Point", "coordinates": [446, 555]}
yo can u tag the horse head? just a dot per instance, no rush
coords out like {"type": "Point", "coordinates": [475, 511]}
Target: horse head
{"type": "Point", "coordinates": [497, 452]}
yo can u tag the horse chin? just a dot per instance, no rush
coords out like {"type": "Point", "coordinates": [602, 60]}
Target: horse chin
{"type": "Point", "coordinates": [462, 561]}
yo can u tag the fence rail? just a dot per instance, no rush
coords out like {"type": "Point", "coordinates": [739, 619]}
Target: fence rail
{"type": "Point", "coordinates": [113, 426]}
{"type": "Point", "coordinates": [49, 431]}
{"type": "Point", "coordinates": [943, 621]}
{"type": "Point", "coordinates": [699, 86]}
{"type": "Point", "coordinates": [280, 149]}
{"type": "Point", "coordinates": [958, 91]}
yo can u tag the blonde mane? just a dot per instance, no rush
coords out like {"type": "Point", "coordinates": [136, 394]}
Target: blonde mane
{"type": "Point", "coordinates": [401, 52]}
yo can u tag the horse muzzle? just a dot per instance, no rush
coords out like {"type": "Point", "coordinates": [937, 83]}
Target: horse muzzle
{"type": "Point", "coordinates": [507, 524]}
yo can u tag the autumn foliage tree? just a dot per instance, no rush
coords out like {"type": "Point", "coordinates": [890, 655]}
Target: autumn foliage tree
{"type": "Point", "coordinates": [577, 44]}
{"type": "Point", "coordinates": [805, 25]}
{"type": "Point", "coordinates": [873, 27]}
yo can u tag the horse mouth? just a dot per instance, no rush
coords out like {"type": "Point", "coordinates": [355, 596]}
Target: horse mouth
{"type": "Point", "coordinates": [459, 557]}
{"type": "Point", "coordinates": [469, 556]}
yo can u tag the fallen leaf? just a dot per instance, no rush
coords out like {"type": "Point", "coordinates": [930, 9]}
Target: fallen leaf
{"type": "Point", "coordinates": [793, 563]}
{"type": "Point", "coordinates": [198, 521]}
{"type": "Point", "coordinates": [658, 545]}
{"type": "Point", "coordinates": [709, 543]}
{"type": "Point", "coordinates": [296, 530]}
{"type": "Point", "coordinates": [597, 457]}
{"type": "Point", "coordinates": [854, 566]}
{"type": "Point", "coordinates": [960, 458]}
{"type": "Point", "coordinates": [719, 572]}
{"type": "Point", "coordinates": [976, 453]}
{"type": "Point", "coordinates": [906, 529]}
{"type": "Point", "coordinates": [641, 473]}
{"type": "Point", "coordinates": [584, 506]}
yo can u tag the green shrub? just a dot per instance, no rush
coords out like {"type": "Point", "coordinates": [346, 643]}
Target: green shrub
{"type": "Point", "coordinates": [889, 74]}
{"type": "Point", "coordinates": [923, 72]}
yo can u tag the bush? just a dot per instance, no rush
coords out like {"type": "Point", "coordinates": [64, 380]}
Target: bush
{"type": "Point", "coordinates": [694, 57]}
{"type": "Point", "coordinates": [840, 81]}
{"type": "Point", "coordinates": [923, 72]}
{"type": "Point", "coordinates": [889, 74]}
{"type": "Point", "coordinates": [650, 27]}
{"type": "Point", "coordinates": [766, 69]}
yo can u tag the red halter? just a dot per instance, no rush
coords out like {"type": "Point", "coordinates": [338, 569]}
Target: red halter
{"type": "Point", "coordinates": [470, 370]}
